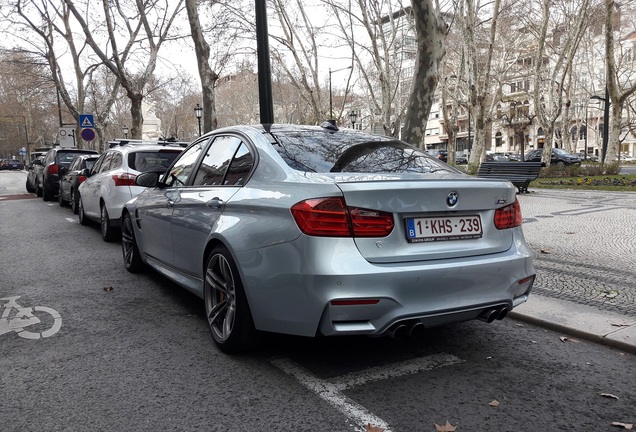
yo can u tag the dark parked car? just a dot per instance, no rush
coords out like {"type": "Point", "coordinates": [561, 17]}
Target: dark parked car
{"type": "Point", "coordinates": [33, 169]}
{"type": "Point", "coordinates": [71, 179]}
{"type": "Point", "coordinates": [559, 157]}
{"type": "Point", "coordinates": [11, 164]}
{"type": "Point", "coordinates": [48, 179]}
{"type": "Point", "coordinates": [441, 154]}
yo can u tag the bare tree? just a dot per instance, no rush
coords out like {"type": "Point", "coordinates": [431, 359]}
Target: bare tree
{"type": "Point", "coordinates": [145, 26]}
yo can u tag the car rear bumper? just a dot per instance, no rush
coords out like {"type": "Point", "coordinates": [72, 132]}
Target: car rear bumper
{"type": "Point", "coordinates": [333, 290]}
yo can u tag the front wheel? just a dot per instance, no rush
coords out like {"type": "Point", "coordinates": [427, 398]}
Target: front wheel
{"type": "Point", "coordinates": [226, 308]}
{"type": "Point", "coordinates": [108, 232]}
{"type": "Point", "coordinates": [129, 248]}
{"type": "Point", "coordinates": [61, 201]}
{"type": "Point", "coordinates": [83, 220]}
{"type": "Point", "coordinates": [74, 202]}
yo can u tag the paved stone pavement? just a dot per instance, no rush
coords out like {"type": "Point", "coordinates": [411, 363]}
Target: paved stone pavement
{"type": "Point", "coordinates": [585, 257]}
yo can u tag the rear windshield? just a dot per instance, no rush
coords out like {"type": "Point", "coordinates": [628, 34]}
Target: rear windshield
{"type": "Point", "coordinates": [65, 158]}
{"type": "Point", "coordinates": [322, 152]}
{"type": "Point", "coordinates": [157, 160]}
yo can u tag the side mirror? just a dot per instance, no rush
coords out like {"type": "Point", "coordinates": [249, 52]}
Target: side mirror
{"type": "Point", "coordinates": [148, 179]}
{"type": "Point", "coordinates": [37, 162]}
{"type": "Point", "coordinates": [63, 170]}
{"type": "Point", "coordinates": [85, 172]}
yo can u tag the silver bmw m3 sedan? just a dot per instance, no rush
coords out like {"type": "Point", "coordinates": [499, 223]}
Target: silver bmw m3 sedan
{"type": "Point", "coordinates": [315, 230]}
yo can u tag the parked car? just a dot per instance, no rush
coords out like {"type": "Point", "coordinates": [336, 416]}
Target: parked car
{"type": "Point", "coordinates": [48, 178]}
{"type": "Point", "coordinates": [440, 154]}
{"type": "Point", "coordinates": [11, 165]}
{"type": "Point", "coordinates": [461, 158]}
{"type": "Point", "coordinates": [32, 173]}
{"type": "Point", "coordinates": [111, 181]}
{"type": "Point", "coordinates": [559, 157]}
{"type": "Point", "coordinates": [72, 178]}
{"type": "Point", "coordinates": [311, 230]}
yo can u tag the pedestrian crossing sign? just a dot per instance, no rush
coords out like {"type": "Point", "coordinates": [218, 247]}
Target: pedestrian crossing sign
{"type": "Point", "coordinates": [86, 121]}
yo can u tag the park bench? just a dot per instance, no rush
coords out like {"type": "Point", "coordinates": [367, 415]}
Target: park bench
{"type": "Point", "coordinates": [519, 174]}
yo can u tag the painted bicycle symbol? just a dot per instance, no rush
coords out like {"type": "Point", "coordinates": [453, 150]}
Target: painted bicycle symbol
{"type": "Point", "coordinates": [16, 318]}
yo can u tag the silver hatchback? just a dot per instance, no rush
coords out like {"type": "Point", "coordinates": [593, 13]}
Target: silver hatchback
{"type": "Point", "coordinates": [313, 230]}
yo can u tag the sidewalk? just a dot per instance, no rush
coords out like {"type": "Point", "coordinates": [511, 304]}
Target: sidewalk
{"type": "Point", "coordinates": [585, 248]}
{"type": "Point", "coordinates": [579, 321]}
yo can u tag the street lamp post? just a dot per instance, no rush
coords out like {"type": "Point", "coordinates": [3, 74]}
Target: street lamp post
{"type": "Point", "coordinates": [330, 94]}
{"type": "Point", "coordinates": [198, 111]}
{"type": "Point", "coordinates": [353, 116]}
{"type": "Point", "coordinates": [605, 121]}
{"type": "Point", "coordinates": [124, 130]}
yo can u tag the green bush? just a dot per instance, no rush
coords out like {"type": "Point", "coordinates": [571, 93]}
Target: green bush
{"type": "Point", "coordinates": [612, 168]}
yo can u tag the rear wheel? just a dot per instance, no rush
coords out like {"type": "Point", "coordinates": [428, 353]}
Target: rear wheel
{"type": "Point", "coordinates": [108, 232]}
{"type": "Point", "coordinates": [226, 308]}
{"type": "Point", "coordinates": [129, 248]}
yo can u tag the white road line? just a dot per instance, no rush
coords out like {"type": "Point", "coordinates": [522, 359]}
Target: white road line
{"type": "Point", "coordinates": [72, 220]}
{"type": "Point", "coordinates": [397, 370]}
{"type": "Point", "coordinates": [331, 391]}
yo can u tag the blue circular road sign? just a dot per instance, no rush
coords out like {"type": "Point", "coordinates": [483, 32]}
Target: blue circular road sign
{"type": "Point", "coordinates": [88, 134]}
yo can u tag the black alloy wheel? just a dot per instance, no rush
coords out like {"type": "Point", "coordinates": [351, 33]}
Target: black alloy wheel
{"type": "Point", "coordinates": [226, 308]}
{"type": "Point", "coordinates": [129, 248]}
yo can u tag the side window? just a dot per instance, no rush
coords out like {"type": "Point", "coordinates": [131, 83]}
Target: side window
{"type": "Point", "coordinates": [105, 163]}
{"type": "Point", "coordinates": [116, 161]}
{"type": "Point", "coordinates": [50, 156]}
{"type": "Point", "coordinates": [74, 164]}
{"type": "Point", "coordinates": [178, 175]}
{"type": "Point", "coordinates": [98, 164]}
{"type": "Point", "coordinates": [240, 167]}
{"type": "Point", "coordinates": [216, 161]}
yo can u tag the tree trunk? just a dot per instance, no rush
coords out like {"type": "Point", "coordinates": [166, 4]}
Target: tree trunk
{"type": "Point", "coordinates": [430, 51]}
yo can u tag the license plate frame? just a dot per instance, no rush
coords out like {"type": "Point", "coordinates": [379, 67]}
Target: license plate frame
{"type": "Point", "coordinates": [443, 228]}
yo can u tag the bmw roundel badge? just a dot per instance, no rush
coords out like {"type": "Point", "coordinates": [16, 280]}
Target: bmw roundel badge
{"type": "Point", "coordinates": [451, 199]}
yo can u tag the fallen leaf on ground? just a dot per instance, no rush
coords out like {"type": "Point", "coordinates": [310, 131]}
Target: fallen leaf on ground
{"type": "Point", "coordinates": [370, 428]}
{"type": "Point", "coordinates": [620, 324]}
{"type": "Point", "coordinates": [494, 403]}
{"type": "Point", "coordinates": [623, 425]}
{"type": "Point", "coordinates": [608, 395]}
{"type": "Point", "coordinates": [445, 428]}
{"type": "Point", "coordinates": [570, 232]}
{"type": "Point", "coordinates": [563, 338]}
{"type": "Point", "coordinates": [108, 288]}
{"type": "Point", "coordinates": [544, 251]}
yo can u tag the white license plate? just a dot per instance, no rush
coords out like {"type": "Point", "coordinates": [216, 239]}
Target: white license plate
{"type": "Point", "coordinates": [444, 228]}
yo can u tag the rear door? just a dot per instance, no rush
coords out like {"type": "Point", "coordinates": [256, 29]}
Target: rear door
{"type": "Point", "coordinates": [222, 172]}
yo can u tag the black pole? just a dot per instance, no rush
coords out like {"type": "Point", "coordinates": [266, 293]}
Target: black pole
{"type": "Point", "coordinates": [264, 68]}
{"type": "Point", "coordinates": [59, 107]}
{"type": "Point", "coordinates": [605, 124]}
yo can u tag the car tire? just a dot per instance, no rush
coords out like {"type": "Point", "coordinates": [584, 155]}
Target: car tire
{"type": "Point", "coordinates": [29, 187]}
{"type": "Point", "coordinates": [129, 248]}
{"type": "Point", "coordinates": [60, 200]}
{"type": "Point", "coordinates": [226, 308]}
{"type": "Point", "coordinates": [47, 194]}
{"type": "Point", "coordinates": [108, 232]}
{"type": "Point", "coordinates": [83, 220]}
{"type": "Point", "coordinates": [74, 202]}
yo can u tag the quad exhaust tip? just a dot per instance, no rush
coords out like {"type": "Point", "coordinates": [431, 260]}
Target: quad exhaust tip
{"type": "Point", "coordinates": [489, 315]}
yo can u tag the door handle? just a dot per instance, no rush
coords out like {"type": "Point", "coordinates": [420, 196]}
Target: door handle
{"type": "Point", "coordinates": [215, 202]}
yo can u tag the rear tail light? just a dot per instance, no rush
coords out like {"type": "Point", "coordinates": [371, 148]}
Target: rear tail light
{"type": "Point", "coordinates": [53, 169]}
{"type": "Point", "coordinates": [508, 216]}
{"type": "Point", "coordinates": [80, 179]}
{"type": "Point", "coordinates": [124, 179]}
{"type": "Point", "coordinates": [330, 217]}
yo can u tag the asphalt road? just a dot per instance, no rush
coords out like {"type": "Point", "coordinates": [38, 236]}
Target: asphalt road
{"type": "Point", "coordinates": [133, 353]}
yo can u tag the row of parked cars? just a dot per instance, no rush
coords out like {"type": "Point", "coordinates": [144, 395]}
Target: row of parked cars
{"type": "Point", "coordinates": [10, 165]}
{"type": "Point", "coordinates": [305, 230]}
